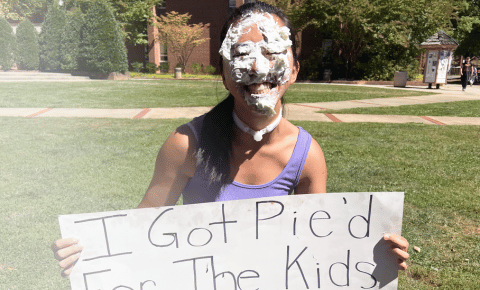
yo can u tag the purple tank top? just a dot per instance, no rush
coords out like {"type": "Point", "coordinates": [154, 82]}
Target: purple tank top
{"type": "Point", "coordinates": [198, 190]}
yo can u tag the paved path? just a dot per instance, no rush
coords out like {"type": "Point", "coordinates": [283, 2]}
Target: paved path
{"type": "Point", "coordinates": [304, 111]}
{"type": "Point", "coordinates": [448, 93]}
{"type": "Point", "coordinates": [34, 76]}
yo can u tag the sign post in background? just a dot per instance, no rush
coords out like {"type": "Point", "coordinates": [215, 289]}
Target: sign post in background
{"type": "Point", "coordinates": [315, 241]}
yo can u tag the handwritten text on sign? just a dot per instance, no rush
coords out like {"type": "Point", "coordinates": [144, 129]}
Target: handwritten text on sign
{"type": "Point", "coordinates": [316, 241]}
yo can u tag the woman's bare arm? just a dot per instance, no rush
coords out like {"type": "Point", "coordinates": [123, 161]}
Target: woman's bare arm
{"type": "Point", "coordinates": [174, 166]}
{"type": "Point", "coordinates": [314, 174]}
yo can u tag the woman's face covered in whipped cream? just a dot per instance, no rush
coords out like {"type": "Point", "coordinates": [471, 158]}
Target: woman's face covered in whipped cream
{"type": "Point", "coordinates": [258, 61]}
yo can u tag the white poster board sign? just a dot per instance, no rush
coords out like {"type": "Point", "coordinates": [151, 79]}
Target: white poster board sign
{"type": "Point", "coordinates": [443, 66]}
{"type": "Point", "coordinates": [315, 241]}
{"type": "Point", "coordinates": [431, 66]}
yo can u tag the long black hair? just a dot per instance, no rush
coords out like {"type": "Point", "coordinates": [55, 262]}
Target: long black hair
{"type": "Point", "coordinates": [215, 144]}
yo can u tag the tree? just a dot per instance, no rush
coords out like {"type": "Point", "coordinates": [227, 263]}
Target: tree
{"type": "Point", "coordinates": [27, 49]}
{"type": "Point", "coordinates": [133, 16]}
{"type": "Point", "coordinates": [7, 45]}
{"type": "Point", "coordinates": [102, 49]}
{"type": "Point", "coordinates": [180, 37]}
{"type": "Point", "coordinates": [50, 39]}
{"type": "Point", "coordinates": [71, 39]}
{"type": "Point", "coordinates": [295, 11]}
{"type": "Point", "coordinates": [387, 31]}
{"type": "Point", "coordinates": [20, 9]}
{"type": "Point", "coordinates": [467, 28]}
{"type": "Point", "coordinates": [470, 44]}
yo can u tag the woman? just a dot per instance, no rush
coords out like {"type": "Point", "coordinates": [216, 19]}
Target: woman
{"type": "Point", "coordinates": [466, 73]}
{"type": "Point", "coordinates": [242, 148]}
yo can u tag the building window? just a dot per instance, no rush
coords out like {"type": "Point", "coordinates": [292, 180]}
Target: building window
{"type": "Point", "coordinates": [161, 9]}
{"type": "Point", "coordinates": [163, 53]}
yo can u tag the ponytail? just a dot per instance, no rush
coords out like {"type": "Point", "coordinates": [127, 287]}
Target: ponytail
{"type": "Point", "coordinates": [215, 144]}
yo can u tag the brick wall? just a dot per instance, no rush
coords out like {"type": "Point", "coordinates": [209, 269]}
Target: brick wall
{"type": "Point", "coordinates": [214, 12]}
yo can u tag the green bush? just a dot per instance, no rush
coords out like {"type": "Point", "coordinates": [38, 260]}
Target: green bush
{"type": "Point", "coordinates": [103, 48]}
{"type": "Point", "coordinates": [210, 69]}
{"type": "Point", "coordinates": [382, 69]}
{"type": "Point", "coordinates": [7, 44]}
{"type": "Point", "coordinates": [137, 66]}
{"type": "Point", "coordinates": [50, 39]}
{"type": "Point", "coordinates": [380, 61]}
{"type": "Point", "coordinates": [196, 68]}
{"type": "Point", "coordinates": [71, 38]}
{"type": "Point", "coordinates": [164, 67]}
{"type": "Point", "coordinates": [151, 68]}
{"type": "Point", "coordinates": [27, 50]}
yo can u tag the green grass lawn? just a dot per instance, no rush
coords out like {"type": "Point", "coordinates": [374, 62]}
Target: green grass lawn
{"type": "Point", "coordinates": [458, 109]}
{"type": "Point", "coordinates": [171, 76]}
{"type": "Point", "coordinates": [311, 93]}
{"type": "Point", "coordinates": [55, 166]}
{"type": "Point", "coordinates": [162, 93]}
{"type": "Point", "coordinates": [111, 94]}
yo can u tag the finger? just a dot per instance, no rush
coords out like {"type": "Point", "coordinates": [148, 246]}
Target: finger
{"type": "Point", "coordinates": [69, 261]}
{"type": "Point", "coordinates": [399, 254]}
{"type": "Point", "coordinates": [63, 243]}
{"type": "Point", "coordinates": [396, 241]}
{"type": "Point", "coordinates": [67, 252]}
{"type": "Point", "coordinates": [68, 271]}
{"type": "Point", "coordinates": [402, 266]}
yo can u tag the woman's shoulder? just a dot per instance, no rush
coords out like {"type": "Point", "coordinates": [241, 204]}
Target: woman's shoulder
{"type": "Point", "coordinates": [180, 141]}
{"type": "Point", "coordinates": [314, 174]}
{"type": "Point", "coordinates": [178, 150]}
{"type": "Point", "coordinates": [183, 137]}
{"type": "Point", "coordinates": [315, 166]}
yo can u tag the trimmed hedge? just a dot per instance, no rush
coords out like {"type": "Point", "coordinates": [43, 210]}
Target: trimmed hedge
{"type": "Point", "coordinates": [102, 49]}
{"type": "Point", "coordinates": [7, 44]}
{"type": "Point", "coordinates": [71, 39]}
{"type": "Point", "coordinates": [27, 49]}
{"type": "Point", "coordinates": [51, 39]}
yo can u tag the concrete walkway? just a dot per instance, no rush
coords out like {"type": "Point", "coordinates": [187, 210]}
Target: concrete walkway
{"type": "Point", "coordinates": [447, 93]}
{"type": "Point", "coordinates": [303, 111]}
{"type": "Point", "coordinates": [34, 76]}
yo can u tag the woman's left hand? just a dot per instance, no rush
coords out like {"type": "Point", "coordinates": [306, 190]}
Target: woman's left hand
{"type": "Point", "coordinates": [398, 247]}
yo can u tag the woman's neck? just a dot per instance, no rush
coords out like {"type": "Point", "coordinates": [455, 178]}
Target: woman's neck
{"type": "Point", "coordinates": [255, 120]}
{"type": "Point", "coordinates": [257, 134]}
{"type": "Point", "coordinates": [264, 126]}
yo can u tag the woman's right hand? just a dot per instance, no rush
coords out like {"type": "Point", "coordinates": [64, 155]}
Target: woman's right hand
{"type": "Point", "coordinates": [66, 251]}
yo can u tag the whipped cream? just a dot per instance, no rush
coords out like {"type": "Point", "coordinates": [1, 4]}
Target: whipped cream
{"type": "Point", "coordinates": [258, 68]}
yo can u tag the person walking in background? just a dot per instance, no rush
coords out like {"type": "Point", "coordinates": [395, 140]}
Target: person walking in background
{"type": "Point", "coordinates": [466, 73]}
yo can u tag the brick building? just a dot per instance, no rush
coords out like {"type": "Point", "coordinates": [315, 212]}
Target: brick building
{"type": "Point", "coordinates": [214, 12]}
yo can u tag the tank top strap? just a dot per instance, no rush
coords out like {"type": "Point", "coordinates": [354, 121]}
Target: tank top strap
{"type": "Point", "coordinates": [294, 167]}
